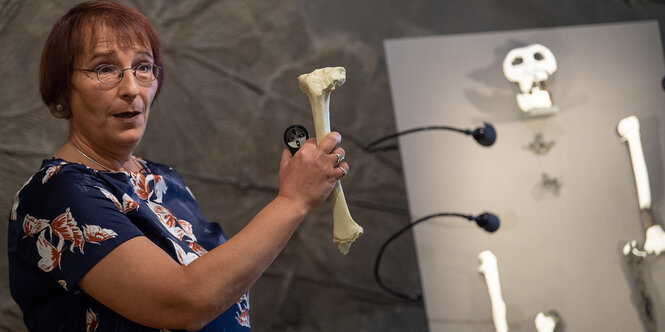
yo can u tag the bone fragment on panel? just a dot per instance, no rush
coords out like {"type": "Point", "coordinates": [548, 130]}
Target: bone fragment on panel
{"type": "Point", "coordinates": [318, 85]}
{"type": "Point", "coordinates": [545, 322]}
{"type": "Point", "coordinates": [631, 249]}
{"type": "Point", "coordinates": [489, 269]}
{"type": "Point", "coordinates": [530, 67]}
{"type": "Point", "coordinates": [629, 129]}
{"type": "Point", "coordinates": [655, 240]}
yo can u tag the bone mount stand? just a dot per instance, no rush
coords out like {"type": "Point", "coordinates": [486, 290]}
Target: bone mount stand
{"type": "Point", "coordinates": [629, 129]}
{"type": "Point", "coordinates": [635, 261]}
{"type": "Point", "coordinates": [489, 269]}
{"type": "Point", "coordinates": [318, 85]}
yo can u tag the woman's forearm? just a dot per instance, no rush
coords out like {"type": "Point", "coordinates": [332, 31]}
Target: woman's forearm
{"type": "Point", "coordinates": [228, 271]}
{"type": "Point", "coordinates": [141, 282]}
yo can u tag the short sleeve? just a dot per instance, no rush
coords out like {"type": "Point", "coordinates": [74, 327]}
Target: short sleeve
{"type": "Point", "coordinates": [67, 219]}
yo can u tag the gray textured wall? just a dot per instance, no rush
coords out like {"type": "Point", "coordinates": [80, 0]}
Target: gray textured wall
{"type": "Point", "coordinates": [231, 90]}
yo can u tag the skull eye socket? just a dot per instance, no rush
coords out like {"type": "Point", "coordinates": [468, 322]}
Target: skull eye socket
{"type": "Point", "coordinates": [518, 60]}
{"type": "Point", "coordinates": [538, 56]}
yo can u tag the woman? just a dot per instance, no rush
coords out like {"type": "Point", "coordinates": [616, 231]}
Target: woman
{"type": "Point", "coordinates": [104, 241]}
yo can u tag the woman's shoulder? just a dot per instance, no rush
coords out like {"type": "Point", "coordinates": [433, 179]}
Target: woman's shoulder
{"type": "Point", "coordinates": [56, 182]}
{"type": "Point", "coordinates": [59, 170]}
{"type": "Point", "coordinates": [60, 177]}
{"type": "Point", "coordinates": [68, 172]}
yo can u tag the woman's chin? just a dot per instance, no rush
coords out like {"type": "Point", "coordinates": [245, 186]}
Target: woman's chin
{"type": "Point", "coordinates": [130, 138]}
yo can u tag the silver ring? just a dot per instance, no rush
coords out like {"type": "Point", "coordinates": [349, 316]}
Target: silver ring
{"type": "Point", "coordinates": [343, 171]}
{"type": "Point", "coordinates": [340, 158]}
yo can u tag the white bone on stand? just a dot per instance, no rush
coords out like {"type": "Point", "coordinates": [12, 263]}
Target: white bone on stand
{"type": "Point", "coordinates": [545, 323]}
{"type": "Point", "coordinates": [629, 129]}
{"type": "Point", "coordinates": [318, 85]}
{"type": "Point", "coordinates": [489, 269]}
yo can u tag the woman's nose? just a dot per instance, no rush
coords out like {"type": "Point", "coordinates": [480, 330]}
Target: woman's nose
{"type": "Point", "coordinates": [129, 85]}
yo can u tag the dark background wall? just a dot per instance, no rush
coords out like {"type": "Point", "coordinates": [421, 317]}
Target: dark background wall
{"type": "Point", "coordinates": [231, 90]}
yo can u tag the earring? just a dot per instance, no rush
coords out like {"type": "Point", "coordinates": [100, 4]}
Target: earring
{"type": "Point", "coordinates": [60, 111]}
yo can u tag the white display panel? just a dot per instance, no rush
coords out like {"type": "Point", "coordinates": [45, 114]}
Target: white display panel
{"type": "Point", "coordinates": [555, 250]}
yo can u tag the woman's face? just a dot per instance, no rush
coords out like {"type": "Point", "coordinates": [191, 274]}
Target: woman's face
{"type": "Point", "coordinates": [111, 117]}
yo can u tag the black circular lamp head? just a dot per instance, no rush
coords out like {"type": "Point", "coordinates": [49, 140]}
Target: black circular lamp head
{"type": "Point", "coordinates": [485, 136]}
{"type": "Point", "coordinates": [294, 137]}
{"type": "Point", "coordinates": [487, 221]}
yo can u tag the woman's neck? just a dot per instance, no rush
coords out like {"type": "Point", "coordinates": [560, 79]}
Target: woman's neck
{"type": "Point", "coordinates": [78, 151]}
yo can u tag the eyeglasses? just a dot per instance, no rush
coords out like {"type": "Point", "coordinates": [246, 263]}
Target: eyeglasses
{"type": "Point", "coordinates": [110, 74]}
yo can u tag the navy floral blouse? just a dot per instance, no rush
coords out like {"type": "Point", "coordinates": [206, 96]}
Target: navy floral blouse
{"type": "Point", "coordinates": [67, 217]}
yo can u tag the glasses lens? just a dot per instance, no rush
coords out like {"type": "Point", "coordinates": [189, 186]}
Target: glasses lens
{"type": "Point", "coordinates": [146, 72]}
{"type": "Point", "coordinates": [109, 74]}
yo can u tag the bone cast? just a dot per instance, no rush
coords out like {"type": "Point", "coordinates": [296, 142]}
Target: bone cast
{"type": "Point", "coordinates": [489, 269]}
{"type": "Point", "coordinates": [318, 85]}
{"type": "Point", "coordinates": [530, 67]}
{"type": "Point", "coordinates": [545, 322]}
{"type": "Point", "coordinates": [629, 130]}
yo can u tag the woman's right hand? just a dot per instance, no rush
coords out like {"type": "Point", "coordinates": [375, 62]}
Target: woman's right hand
{"type": "Point", "coordinates": [309, 176]}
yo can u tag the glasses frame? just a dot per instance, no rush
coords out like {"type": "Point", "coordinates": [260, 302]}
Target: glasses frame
{"type": "Point", "coordinates": [122, 72]}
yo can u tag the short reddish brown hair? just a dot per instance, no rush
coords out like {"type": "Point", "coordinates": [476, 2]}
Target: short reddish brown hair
{"type": "Point", "coordinates": [78, 31]}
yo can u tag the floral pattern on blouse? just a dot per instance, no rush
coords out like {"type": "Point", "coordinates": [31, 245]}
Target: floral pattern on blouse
{"type": "Point", "coordinates": [67, 217]}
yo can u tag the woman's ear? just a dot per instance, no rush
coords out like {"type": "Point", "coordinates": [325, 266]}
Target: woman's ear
{"type": "Point", "coordinates": [60, 110]}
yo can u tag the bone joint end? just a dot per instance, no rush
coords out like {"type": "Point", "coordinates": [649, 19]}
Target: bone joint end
{"type": "Point", "coordinates": [322, 80]}
{"type": "Point", "coordinates": [489, 268]}
{"type": "Point", "coordinates": [345, 229]}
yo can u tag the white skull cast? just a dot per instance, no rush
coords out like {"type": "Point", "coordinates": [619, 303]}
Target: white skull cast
{"type": "Point", "coordinates": [530, 66]}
